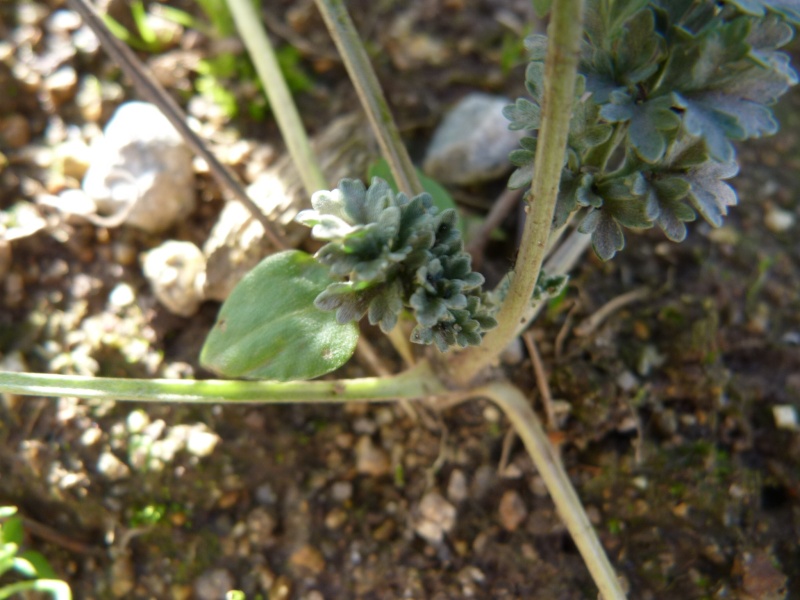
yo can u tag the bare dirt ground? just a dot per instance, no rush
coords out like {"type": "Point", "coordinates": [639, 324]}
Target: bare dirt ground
{"type": "Point", "coordinates": [668, 427]}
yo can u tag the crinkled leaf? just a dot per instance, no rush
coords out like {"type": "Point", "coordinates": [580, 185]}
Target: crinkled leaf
{"type": "Point", "coordinates": [607, 237]}
{"type": "Point", "coordinates": [534, 80]}
{"type": "Point", "coordinates": [653, 124]}
{"type": "Point", "coordinates": [710, 195]}
{"type": "Point", "coordinates": [386, 306]}
{"type": "Point", "coordinates": [665, 206]}
{"type": "Point", "coordinates": [790, 9]}
{"type": "Point", "coordinates": [639, 51]}
{"type": "Point", "coordinates": [536, 45]}
{"type": "Point", "coordinates": [269, 327]}
{"type": "Point", "coordinates": [520, 178]}
{"type": "Point", "coordinates": [523, 114]}
{"type": "Point", "coordinates": [712, 126]}
{"type": "Point", "coordinates": [440, 196]}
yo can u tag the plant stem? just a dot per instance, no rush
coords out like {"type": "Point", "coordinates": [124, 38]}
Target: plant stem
{"type": "Point", "coordinates": [569, 506]}
{"type": "Point", "coordinates": [561, 65]}
{"type": "Point", "coordinates": [248, 22]}
{"type": "Point", "coordinates": [413, 383]}
{"type": "Point", "coordinates": [154, 92]}
{"type": "Point", "coordinates": [355, 58]}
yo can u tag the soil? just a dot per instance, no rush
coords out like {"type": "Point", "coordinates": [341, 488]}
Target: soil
{"type": "Point", "coordinates": [667, 407]}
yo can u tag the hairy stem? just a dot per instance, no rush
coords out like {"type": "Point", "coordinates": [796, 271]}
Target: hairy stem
{"type": "Point", "coordinates": [524, 420]}
{"type": "Point", "coordinates": [561, 65]}
{"type": "Point", "coordinates": [255, 38]}
{"type": "Point", "coordinates": [361, 73]}
{"type": "Point", "coordinates": [413, 383]}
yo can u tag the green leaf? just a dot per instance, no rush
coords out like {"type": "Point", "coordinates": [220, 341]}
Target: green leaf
{"type": "Point", "coordinates": [12, 531]}
{"type": "Point", "coordinates": [789, 9]}
{"type": "Point", "coordinates": [607, 237]}
{"type": "Point", "coordinates": [523, 114]}
{"type": "Point", "coordinates": [440, 196]}
{"type": "Point", "coordinates": [269, 328]}
{"type": "Point", "coordinates": [652, 123]}
{"type": "Point", "coordinates": [39, 563]}
{"type": "Point", "coordinates": [710, 195]}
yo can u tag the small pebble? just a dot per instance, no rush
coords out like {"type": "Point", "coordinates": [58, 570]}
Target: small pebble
{"type": "Point", "coordinates": [137, 421]}
{"type": "Point", "coordinates": [512, 510]}
{"type": "Point", "coordinates": [785, 416]}
{"type": "Point", "coordinates": [309, 559]}
{"type": "Point", "coordinates": [436, 517]}
{"type": "Point", "coordinates": [15, 131]}
{"type": "Point", "coordinates": [213, 585]}
{"type": "Point", "coordinates": [121, 296]}
{"type": "Point", "coordinates": [111, 467]}
{"type": "Point", "coordinates": [201, 442]}
{"type": "Point", "coordinates": [371, 460]}
{"type": "Point", "coordinates": [176, 271]}
{"type": "Point", "coordinates": [62, 85]}
{"type": "Point", "coordinates": [342, 491]}
{"type": "Point", "coordinates": [778, 220]}
{"type": "Point", "coordinates": [457, 486]}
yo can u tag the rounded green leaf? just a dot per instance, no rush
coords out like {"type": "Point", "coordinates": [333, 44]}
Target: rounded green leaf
{"type": "Point", "coordinates": [269, 328]}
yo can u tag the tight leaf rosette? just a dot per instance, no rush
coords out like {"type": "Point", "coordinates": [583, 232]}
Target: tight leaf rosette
{"type": "Point", "coordinates": [393, 254]}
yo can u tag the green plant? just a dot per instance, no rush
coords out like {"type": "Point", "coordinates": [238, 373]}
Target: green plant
{"type": "Point", "coordinates": [631, 120]}
{"type": "Point", "coordinates": [218, 77]}
{"type": "Point", "coordinates": [31, 567]}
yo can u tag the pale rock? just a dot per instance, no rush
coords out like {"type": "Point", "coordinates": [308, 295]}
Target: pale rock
{"type": "Point", "coordinates": [370, 459]}
{"type": "Point", "coordinates": [201, 441]}
{"type": "Point", "coordinates": [437, 517]}
{"type": "Point", "coordinates": [785, 416]}
{"type": "Point", "coordinates": [141, 169]}
{"type": "Point", "coordinates": [111, 467]}
{"type": "Point", "coordinates": [176, 272]}
{"type": "Point", "coordinates": [213, 584]}
{"type": "Point", "coordinates": [61, 85]}
{"type": "Point", "coordinates": [472, 143]}
{"type": "Point", "coordinates": [457, 489]}
{"type": "Point", "coordinates": [512, 510]}
{"type": "Point", "coordinates": [778, 220]}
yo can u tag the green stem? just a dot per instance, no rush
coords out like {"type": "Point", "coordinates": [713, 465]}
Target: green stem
{"type": "Point", "coordinates": [547, 463]}
{"type": "Point", "coordinates": [248, 22]}
{"type": "Point", "coordinates": [355, 58]}
{"type": "Point", "coordinates": [561, 66]}
{"type": "Point", "coordinates": [413, 383]}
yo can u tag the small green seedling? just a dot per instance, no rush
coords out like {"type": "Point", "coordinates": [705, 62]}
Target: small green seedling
{"type": "Point", "coordinates": [29, 568]}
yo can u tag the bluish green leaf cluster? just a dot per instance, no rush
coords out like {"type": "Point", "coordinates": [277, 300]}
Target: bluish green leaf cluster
{"type": "Point", "coordinates": [391, 254]}
{"type": "Point", "coordinates": [666, 87]}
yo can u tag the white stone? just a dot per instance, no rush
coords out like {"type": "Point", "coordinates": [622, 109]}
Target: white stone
{"type": "Point", "coordinates": [778, 220]}
{"type": "Point", "coordinates": [177, 271]}
{"type": "Point", "coordinates": [472, 143]}
{"type": "Point", "coordinates": [201, 442]}
{"type": "Point", "coordinates": [141, 169]}
{"type": "Point", "coordinates": [111, 467]}
{"type": "Point", "coordinates": [785, 416]}
{"type": "Point", "coordinates": [137, 421]}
